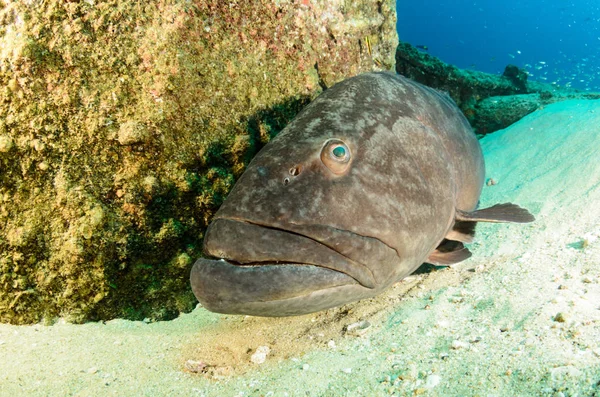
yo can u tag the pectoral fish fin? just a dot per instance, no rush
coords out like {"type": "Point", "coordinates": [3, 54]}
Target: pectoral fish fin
{"type": "Point", "coordinates": [507, 212]}
{"type": "Point", "coordinates": [462, 231]}
{"type": "Point", "coordinates": [448, 253]}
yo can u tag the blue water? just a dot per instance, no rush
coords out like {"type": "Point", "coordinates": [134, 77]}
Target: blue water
{"type": "Point", "coordinates": [556, 41]}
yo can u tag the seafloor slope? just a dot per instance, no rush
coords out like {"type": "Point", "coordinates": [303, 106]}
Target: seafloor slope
{"type": "Point", "coordinates": [522, 317]}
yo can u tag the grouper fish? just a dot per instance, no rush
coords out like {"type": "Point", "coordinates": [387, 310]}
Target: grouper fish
{"type": "Point", "coordinates": [376, 176]}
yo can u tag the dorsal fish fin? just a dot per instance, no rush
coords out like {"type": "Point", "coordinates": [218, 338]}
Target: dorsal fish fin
{"type": "Point", "coordinates": [507, 212]}
{"type": "Point", "coordinates": [462, 231]}
{"type": "Point", "coordinates": [448, 253]}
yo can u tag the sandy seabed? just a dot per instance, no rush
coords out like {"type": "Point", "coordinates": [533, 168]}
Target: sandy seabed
{"type": "Point", "coordinates": [520, 318]}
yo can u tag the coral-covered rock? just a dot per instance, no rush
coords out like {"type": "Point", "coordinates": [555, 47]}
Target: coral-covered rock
{"type": "Point", "coordinates": [498, 112]}
{"type": "Point", "coordinates": [517, 76]}
{"type": "Point", "coordinates": [490, 102]}
{"type": "Point", "coordinates": [464, 86]}
{"type": "Point", "coordinates": [123, 125]}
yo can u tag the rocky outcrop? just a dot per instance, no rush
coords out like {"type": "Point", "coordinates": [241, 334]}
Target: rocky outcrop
{"type": "Point", "coordinates": [464, 86]}
{"type": "Point", "coordinates": [498, 112]}
{"type": "Point", "coordinates": [490, 102]}
{"type": "Point", "coordinates": [123, 125]}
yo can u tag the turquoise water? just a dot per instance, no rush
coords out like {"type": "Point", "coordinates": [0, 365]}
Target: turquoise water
{"type": "Point", "coordinates": [556, 41]}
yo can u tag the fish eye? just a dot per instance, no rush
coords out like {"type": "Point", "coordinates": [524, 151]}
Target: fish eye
{"type": "Point", "coordinates": [336, 156]}
{"type": "Point", "coordinates": [339, 152]}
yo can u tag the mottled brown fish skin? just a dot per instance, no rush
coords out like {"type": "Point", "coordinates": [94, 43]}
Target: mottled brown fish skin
{"type": "Point", "coordinates": [290, 220]}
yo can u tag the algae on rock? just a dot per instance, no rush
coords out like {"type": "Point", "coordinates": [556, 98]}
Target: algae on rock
{"type": "Point", "coordinates": [124, 124]}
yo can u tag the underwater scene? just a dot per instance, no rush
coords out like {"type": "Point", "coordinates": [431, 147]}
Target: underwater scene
{"type": "Point", "coordinates": [553, 41]}
{"type": "Point", "coordinates": [299, 198]}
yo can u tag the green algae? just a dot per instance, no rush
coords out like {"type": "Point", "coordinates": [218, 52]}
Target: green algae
{"type": "Point", "coordinates": [123, 126]}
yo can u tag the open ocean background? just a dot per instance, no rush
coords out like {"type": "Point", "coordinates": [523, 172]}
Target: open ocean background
{"type": "Point", "coordinates": [556, 41]}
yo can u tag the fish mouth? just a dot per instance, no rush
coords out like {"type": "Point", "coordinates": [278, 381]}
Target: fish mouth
{"type": "Point", "coordinates": [271, 271]}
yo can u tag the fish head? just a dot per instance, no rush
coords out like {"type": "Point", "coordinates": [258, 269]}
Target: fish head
{"type": "Point", "coordinates": [315, 220]}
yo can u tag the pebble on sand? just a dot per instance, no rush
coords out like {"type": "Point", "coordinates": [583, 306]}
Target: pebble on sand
{"type": "Point", "coordinates": [432, 381]}
{"type": "Point", "coordinates": [358, 329]}
{"type": "Point", "coordinates": [560, 317]}
{"type": "Point", "coordinates": [457, 344]}
{"type": "Point", "coordinates": [195, 366]}
{"type": "Point", "coordinates": [260, 355]}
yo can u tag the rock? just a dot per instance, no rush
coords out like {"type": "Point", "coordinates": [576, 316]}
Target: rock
{"type": "Point", "coordinates": [195, 366]}
{"type": "Point", "coordinates": [260, 355]}
{"type": "Point", "coordinates": [6, 143]}
{"type": "Point", "coordinates": [148, 112]}
{"type": "Point", "coordinates": [498, 112]}
{"type": "Point", "coordinates": [466, 87]}
{"type": "Point", "coordinates": [517, 76]}
{"type": "Point", "coordinates": [457, 344]}
{"type": "Point", "coordinates": [132, 132]}
{"type": "Point", "coordinates": [358, 328]}
{"type": "Point", "coordinates": [560, 317]}
{"type": "Point", "coordinates": [490, 102]}
{"type": "Point", "coordinates": [432, 381]}
{"type": "Point", "coordinates": [564, 373]}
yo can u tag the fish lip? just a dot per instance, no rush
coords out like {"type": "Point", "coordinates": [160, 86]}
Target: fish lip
{"type": "Point", "coordinates": [343, 264]}
{"type": "Point", "coordinates": [271, 290]}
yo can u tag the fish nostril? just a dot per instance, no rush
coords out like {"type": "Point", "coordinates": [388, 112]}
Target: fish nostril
{"type": "Point", "coordinates": [286, 181]}
{"type": "Point", "coordinates": [295, 170]}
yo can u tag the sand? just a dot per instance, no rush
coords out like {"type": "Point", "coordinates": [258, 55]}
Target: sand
{"type": "Point", "coordinates": [521, 317]}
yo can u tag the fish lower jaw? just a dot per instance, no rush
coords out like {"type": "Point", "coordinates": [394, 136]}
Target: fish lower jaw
{"type": "Point", "coordinates": [283, 263]}
{"type": "Point", "coordinates": [271, 290]}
